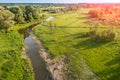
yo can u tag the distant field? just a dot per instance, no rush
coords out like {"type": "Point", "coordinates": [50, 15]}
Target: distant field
{"type": "Point", "coordinates": [71, 19]}
{"type": "Point", "coordinates": [103, 58]}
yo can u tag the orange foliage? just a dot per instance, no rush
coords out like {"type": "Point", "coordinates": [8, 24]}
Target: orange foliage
{"type": "Point", "coordinates": [109, 14]}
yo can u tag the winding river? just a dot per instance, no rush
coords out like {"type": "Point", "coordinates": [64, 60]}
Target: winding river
{"type": "Point", "coordinates": [39, 67]}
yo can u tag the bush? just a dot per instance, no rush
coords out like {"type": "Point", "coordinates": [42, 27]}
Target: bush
{"type": "Point", "coordinates": [93, 31]}
{"type": "Point", "coordinates": [6, 19]}
{"type": "Point", "coordinates": [106, 35]}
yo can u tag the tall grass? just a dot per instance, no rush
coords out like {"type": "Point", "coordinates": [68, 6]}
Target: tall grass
{"type": "Point", "coordinates": [12, 66]}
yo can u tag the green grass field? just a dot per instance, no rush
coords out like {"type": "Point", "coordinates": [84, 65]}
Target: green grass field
{"type": "Point", "coordinates": [12, 65]}
{"type": "Point", "coordinates": [103, 58]}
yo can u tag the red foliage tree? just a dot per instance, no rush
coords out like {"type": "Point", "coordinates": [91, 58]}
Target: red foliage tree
{"type": "Point", "coordinates": [109, 14]}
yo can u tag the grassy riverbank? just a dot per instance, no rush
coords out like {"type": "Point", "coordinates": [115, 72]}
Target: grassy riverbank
{"type": "Point", "coordinates": [21, 26]}
{"type": "Point", "coordinates": [14, 63]}
{"type": "Point", "coordinates": [102, 58]}
{"type": "Point", "coordinates": [13, 66]}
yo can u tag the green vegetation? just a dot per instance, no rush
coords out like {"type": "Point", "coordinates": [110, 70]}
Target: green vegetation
{"type": "Point", "coordinates": [21, 26]}
{"type": "Point", "coordinates": [104, 36]}
{"type": "Point", "coordinates": [6, 19]}
{"type": "Point", "coordinates": [89, 54]}
{"type": "Point", "coordinates": [68, 38]}
{"type": "Point", "coordinates": [71, 19]}
{"type": "Point", "coordinates": [12, 65]}
{"type": "Point", "coordinates": [32, 13]}
{"type": "Point", "coordinates": [19, 14]}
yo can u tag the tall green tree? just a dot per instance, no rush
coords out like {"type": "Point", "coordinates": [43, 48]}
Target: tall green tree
{"type": "Point", "coordinates": [31, 13]}
{"type": "Point", "coordinates": [6, 19]}
{"type": "Point", "coordinates": [19, 15]}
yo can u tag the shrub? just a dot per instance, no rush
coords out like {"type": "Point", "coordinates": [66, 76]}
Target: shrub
{"type": "Point", "coordinates": [6, 19]}
{"type": "Point", "coordinates": [93, 31]}
{"type": "Point", "coordinates": [106, 35]}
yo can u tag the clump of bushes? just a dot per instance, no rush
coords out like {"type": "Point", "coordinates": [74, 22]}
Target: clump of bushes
{"type": "Point", "coordinates": [92, 32]}
{"type": "Point", "coordinates": [106, 35]}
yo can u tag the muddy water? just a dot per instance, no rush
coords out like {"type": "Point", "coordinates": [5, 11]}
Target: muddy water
{"type": "Point", "coordinates": [41, 73]}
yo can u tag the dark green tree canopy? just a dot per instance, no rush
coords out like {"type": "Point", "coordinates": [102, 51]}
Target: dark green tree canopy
{"type": "Point", "coordinates": [19, 15]}
{"type": "Point", "coordinates": [31, 13]}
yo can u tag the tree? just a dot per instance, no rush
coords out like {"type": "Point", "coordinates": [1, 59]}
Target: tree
{"type": "Point", "coordinates": [19, 17]}
{"type": "Point", "coordinates": [6, 19]}
{"type": "Point", "coordinates": [31, 13]}
{"type": "Point", "coordinates": [30, 17]}
{"type": "Point", "coordinates": [109, 15]}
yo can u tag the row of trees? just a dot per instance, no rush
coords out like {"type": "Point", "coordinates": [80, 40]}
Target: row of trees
{"type": "Point", "coordinates": [108, 14]}
{"type": "Point", "coordinates": [64, 9]}
{"type": "Point", "coordinates": [25, 13]}
{"type": "Point", "coordinates": [74, 7]}
{"type": "Point", "coordinates": [18, 14]}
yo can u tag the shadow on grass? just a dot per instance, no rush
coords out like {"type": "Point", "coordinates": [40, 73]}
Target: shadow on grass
{"type": "Point", "coordinates": [85, 42]}
{"type": "Point", "coordinates": [76, 36]}
{"type": "Point", "coordinates": [72, 23]}
{"type": "Point", "coordinates": [112, 73]}
{"type": "Point", "coordinates": [83, 17]}
{"type": "Point", "coordinates": [88, 44]}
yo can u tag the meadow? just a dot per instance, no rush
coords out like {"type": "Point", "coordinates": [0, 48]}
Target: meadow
{"type": "Point", "coordinates": [84, 56]}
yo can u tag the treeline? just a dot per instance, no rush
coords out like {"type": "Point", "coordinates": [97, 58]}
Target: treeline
{"type": "Point", "coordinates": [64, 8]}
{"type": "Point", "coordinates": [18, 15]}
{"type": "Point", "coordinates": [109, 15]}
{"type": "Point", "coordinates": [74, 7]}
{"type": "Point", "coordinates": [97, 5]}
{"type": "Point", "coordinates": [34, 4]}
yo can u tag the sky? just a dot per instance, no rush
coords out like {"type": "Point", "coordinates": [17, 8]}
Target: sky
{"type": "Point", "coordinates": [59, 1]}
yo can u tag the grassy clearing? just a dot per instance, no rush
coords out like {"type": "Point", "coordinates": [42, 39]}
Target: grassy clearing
{"type": "Point", "coordinates": [103, 58]}
{"type": "Point", "coordinates": [12, 66]}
